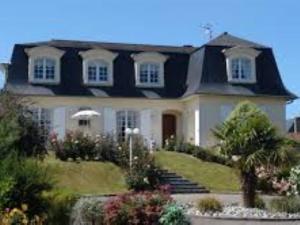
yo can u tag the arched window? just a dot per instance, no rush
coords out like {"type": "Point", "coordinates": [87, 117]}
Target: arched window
{"type": "Point", "coordinates": [98, 71]}
{"type": "Point", "coordinates": [44, 69]}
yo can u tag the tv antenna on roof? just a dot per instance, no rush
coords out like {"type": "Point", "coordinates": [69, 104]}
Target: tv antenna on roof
{"type": "Point", "coordinates": [208, 30]}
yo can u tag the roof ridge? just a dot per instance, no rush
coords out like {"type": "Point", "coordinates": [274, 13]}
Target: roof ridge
{"type": "Point", "coordinates": [227, 39]}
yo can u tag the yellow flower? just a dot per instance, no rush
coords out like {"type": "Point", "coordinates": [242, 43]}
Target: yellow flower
{"type": "Point", "coordinates": [24, 207]}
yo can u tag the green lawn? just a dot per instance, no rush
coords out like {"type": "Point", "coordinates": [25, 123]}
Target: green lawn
{"type": "Point", "coordinates": [87, 177]}
{"type": "Point", "coordinates": [214, 176]}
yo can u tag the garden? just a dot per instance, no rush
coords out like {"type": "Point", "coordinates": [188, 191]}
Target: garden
{"type": "Point", "coordinates": [63, 181]}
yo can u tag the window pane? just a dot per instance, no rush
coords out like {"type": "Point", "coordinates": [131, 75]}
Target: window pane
{"type": "Point", "coordinates": [98, 71]}
{"type": "Point", "coordinates": [126, 119]}
{"type": "Point", "coordinates": [144, 73]}
{"type": "Point", "coordinates": [92, 73]}
{"type": "Point", "coordinates": [245, 68]}
{"type": "Point", "coordinates": [235, 69]}
{"type": "Point", "coordinates": [38, 69]}
{"type": "Point", "coordinates": [154, 73]}
{"type": "Point", "coordinates": [50, 69]}
{"type": "Point", "coordinates": [103, 73]}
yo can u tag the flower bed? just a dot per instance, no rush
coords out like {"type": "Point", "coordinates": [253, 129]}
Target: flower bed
{"type": "Point", "coordinates": [133, 208]}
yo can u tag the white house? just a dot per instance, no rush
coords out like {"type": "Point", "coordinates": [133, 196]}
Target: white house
{"type": "Point", "coordinates": [163, 90]}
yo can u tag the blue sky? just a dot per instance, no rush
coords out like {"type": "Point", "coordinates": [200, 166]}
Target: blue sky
{"type": "Point", "coordinates": [171, 22]}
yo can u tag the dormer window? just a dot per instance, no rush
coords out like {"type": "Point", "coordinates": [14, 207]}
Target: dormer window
{"type": "Point", "coordinates": [98, 71]}
{"type": "Point", "coordinates": [241, 68]}
{"type": "Point", "coordinates": [44, 64]}
{"type": "Point", "coordinates": [240, 63]}
{"type": "Point", "coordinates": [98, 67]}
{"type": "Point", "coordinates": [149, 73]}
{"type": "Point", "coordinates": [149, 69]}
{"type": "Point", "coordinates": [44, 69]}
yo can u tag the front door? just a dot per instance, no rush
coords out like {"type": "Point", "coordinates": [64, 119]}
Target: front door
{"type": "Point", "coordinates": [169, 126]}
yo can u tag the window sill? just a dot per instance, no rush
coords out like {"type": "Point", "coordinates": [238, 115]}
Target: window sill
{"type": "Point", "coordinates": [94, 84]}
{"type": "Point", "coordinates": [149, 85]}
{"type": "Point", "coordinates": [44, 82]}
{"type": "Point", "coordinates": [242, 81]}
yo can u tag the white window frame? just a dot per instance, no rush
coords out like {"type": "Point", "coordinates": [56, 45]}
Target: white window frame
{"type": "Point", "coordinates": [126, 112]}
{"type": "Point", "coordinates": [94, 55]}
{"type": "Point", "coordinates": [238, 53]}
{"type": "Point", "coordinates": [150, 57]}
{"type": "Point", "coordinates": [42, 52]}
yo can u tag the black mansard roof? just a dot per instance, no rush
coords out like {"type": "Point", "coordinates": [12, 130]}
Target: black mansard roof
{"type": "Point", "coordinates": [188, 71]}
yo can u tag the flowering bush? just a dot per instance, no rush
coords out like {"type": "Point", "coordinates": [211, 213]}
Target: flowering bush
{"type": "Point", "coordinates": [144, 208]}
{"type": "Point", "coordinates": [294, 179]}
{"type": "Point", "coordinates": [143, 175]}
{"type": "Point", "coordinates": [18, 216]}
{"type": "Point", "coordinates": [78, 145]}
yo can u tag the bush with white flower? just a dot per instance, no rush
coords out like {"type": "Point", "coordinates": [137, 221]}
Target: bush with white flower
{"type": "Point", "coordinates": [295, 181]}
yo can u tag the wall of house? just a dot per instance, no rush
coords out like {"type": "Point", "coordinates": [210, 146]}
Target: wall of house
{"type": "Point", "coordinates": [196, 115]}
{"type": "Point", "coordinates": [154, 109]}
{"type": "Point", "coordinates": [212, 112]}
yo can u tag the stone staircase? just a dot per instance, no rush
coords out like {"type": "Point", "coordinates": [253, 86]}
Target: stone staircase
{"type": "Point", "coordinates": [180, 185]}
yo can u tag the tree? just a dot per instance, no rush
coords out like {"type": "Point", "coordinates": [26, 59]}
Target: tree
{"type": "Point", "coordinates": [17, 129]}
{"type": "Point", "coordinates": [248, 138]}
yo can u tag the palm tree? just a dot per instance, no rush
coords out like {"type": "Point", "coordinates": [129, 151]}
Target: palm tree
{"type": "Point", "coordinates": [248, 138]}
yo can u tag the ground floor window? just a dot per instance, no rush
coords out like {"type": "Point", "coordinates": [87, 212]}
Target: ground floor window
{"type": "Point", "coordinates": [43, 118]}
{"type": "Point", "coordinates": [126, 119]}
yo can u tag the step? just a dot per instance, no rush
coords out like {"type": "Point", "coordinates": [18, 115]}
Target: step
{"type": "Point", "coordinates": [195, 191]}
{"type": "Point", "coordinates": [179, 182]}
{"type": "Point", "coordinates": [180, 185]}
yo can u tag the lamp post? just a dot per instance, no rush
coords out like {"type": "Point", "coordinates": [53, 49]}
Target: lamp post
{"type": "Point", "coordinates": [130, 132]}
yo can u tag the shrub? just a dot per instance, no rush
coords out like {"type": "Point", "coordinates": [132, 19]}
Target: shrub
{"type": "Point", "coordinates": [295, 180]}
{"type": "Point", "coordinates": [285, 204]}
{"type": "Point", "coordinates": [24, 182]}
{"type": "Point", "coordinates": [77, 145]}
{"type": "Point", "coordinates": [143, 175]}
{"type": "Point", "coordinates": [60, 204]}
{"type": "Point", "coordinates": [135, 208]}
{"type": "Point", "coordinates": [18, 217]}
{"type": "Point", "coordinates": [173, 214]}
{"type": "Point", "coordinates": [209, 204]}
{"type": "Point", "coordinates": [18, 131]}
{"type": "Point", "coordinates": [259, 203]}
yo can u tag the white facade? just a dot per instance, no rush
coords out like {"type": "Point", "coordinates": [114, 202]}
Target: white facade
{"type": "Point", "coordinates": [195, 116]}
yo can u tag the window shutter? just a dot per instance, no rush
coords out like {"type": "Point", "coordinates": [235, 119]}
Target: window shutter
{"type": "Point", "coordinates": [146, 125]}
{"type": "Point", "coordinates": [59, 122]}
{"type": "Point", "coordinates": [109, 121]}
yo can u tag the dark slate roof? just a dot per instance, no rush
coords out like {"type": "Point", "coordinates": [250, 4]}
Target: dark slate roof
{"type": "Point", "coordinates": [188, 71]}
{"type": "Point", "coordinates": [229, 40]}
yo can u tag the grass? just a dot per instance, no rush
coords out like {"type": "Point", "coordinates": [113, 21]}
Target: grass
{"type": "Point", "coordinates": [87, 177]}
{"type": "Point", "coordinates": [215, 177]}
